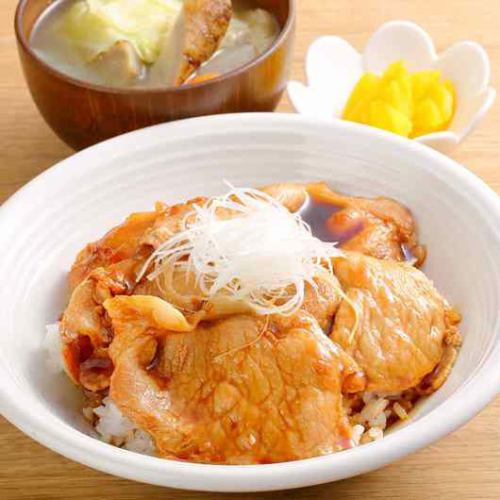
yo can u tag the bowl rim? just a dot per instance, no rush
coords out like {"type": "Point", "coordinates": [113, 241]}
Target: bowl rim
{"type": "Point", "coordinates": [478, 390]}
{"type": "Point", "coordinates": [285, 31]}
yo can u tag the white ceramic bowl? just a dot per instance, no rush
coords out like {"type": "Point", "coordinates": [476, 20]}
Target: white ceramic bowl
{"type": "Point", "coordinates": [44, 224]}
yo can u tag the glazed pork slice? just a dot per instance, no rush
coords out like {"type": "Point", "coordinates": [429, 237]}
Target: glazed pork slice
{"type": "Point", "coordinates": [136, 237]}
{"type": "Point", "coordinates": [118, 244]}
{"type": "Point", "coordinates": [379, 227]}
{"type": "Point", "coordinates": [84, 329]}
{"type": "Point", "coordinates": [104, 269]}
{"type": "Point", "coordinates": [240, 390]}
{"type": "Point", "coordinates": [406, 332]}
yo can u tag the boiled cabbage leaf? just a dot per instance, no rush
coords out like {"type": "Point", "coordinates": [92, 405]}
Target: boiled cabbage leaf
{"type": "Point", "coordinates": [93, 26]}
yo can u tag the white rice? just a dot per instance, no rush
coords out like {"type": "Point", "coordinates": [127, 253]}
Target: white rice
{"type": "Point", "coordinates": [114, 428]}
{"type": "Point", "coordinates": [375, 433]}
{"type": "Point", "coordinates": [400, 411]}
{"type": "Point", "coordinates": [52, 345]}
{"type": "Point", "coordinates": [357, 432]}
{"type": "Point", "coordinates": [111, 426]}
{"type": "Point", "coordinates": [370, 422]}
{"type": "Point", "coordinates": [373, 409]}
{"type": "Point", "coordinates": [140, 442]}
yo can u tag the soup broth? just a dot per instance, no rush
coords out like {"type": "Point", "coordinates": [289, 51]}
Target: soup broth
{"type": "Point", "coordinates": [124, 43]}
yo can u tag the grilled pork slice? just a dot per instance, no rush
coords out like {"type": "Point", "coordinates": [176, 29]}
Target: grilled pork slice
{"type": "Point", "coordinates": [239, 390]}
{"type": "Point", "coordinates": [404, 333]}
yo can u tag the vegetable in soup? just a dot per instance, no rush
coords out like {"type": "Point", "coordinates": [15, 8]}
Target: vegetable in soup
{"type": "Point", "coordinates": [151, 43]}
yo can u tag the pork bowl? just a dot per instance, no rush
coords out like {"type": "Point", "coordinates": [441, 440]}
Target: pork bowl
{"type": "Point", "coordinates": [249, 302]}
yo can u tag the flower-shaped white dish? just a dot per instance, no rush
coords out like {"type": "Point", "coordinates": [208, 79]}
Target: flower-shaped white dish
{"type": "Point", "coordinates": [44, 225]}
{"type": "Point", "coordinates": [333, 67]}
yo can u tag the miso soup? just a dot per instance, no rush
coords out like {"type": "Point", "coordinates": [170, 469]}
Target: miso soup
{"type": "Point", "coordinates": [144, 43]}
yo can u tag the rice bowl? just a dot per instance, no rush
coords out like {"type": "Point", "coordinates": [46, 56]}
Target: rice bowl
{"type": "Point", "coordinates": [347, 156]}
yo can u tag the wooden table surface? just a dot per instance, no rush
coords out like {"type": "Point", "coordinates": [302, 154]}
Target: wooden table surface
{"type": "Point", "coordinates": [464, 465]}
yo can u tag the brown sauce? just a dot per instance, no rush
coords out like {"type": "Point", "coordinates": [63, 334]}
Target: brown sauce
{"type": "Point", "coordinates": [154, 368]}
{"type": "Point", "coordinates": [319, 217]}
{"type": "Point", "coordinates": [339, 224]}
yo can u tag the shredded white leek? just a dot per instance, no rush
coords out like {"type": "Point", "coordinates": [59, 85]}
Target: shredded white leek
{"type": "Point", "coordinates": [246, 245]}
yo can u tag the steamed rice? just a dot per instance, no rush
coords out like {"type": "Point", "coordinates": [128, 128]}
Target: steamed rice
{"type": "Point", "coordinates": [114, 428]}
{"type": "Point", "coordinates": [110, 424]}
{"type": "Point", "coordinates": [369, 423]}
{"type": "Point", "coordinates": [52, 344]}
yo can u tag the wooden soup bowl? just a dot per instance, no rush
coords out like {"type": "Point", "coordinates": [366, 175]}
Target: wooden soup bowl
{"type": "Point", "coordinates": [82, 113]}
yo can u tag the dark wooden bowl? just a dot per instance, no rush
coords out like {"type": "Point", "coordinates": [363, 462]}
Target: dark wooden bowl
{"type": "Point", "coordinates": [82, 114]}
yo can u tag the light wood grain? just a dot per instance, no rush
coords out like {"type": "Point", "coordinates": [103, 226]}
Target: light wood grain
{"type": "Point", "coordinates": [466, 464]}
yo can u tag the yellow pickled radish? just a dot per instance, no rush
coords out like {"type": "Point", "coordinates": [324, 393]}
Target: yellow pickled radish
{"type": "Point", "coordinates": [406, 104]}
{"type": "Point", "coordinates": [363, 92]}
{"type": "Point", "coordinates": [385, 116]}
{"type": "Point", "coordinates": [397, 93]}
{"type": "Point", "coordinates": [422, 80]}
{"type": "Point", "coordinates": [434, 103]}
